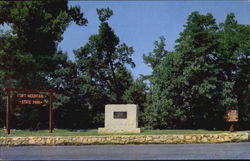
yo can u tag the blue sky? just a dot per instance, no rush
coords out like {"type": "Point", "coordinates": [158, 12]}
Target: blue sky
{"type": "Point", "coordinates": [140, 23]}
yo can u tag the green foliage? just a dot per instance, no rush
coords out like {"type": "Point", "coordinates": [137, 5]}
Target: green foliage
{"type": "Point", "coordinates": [164, 98]}
{"type": "Point", "coordinates": [197, 48]}
{"type": "Point", "coordinates": [36, 28]}
{"type": "Point", "coordinates": [101, 72]}
{"type": "Point", "coordinates": [193, 86]}
{"type": "Point", "coordinates": [136, 93]}
{"type": "Point", "coordinates": [104, 14]}
{"type": "Point", "coordinates": [159, 52]}
{"type": "Point", "coordinates": [233, 59]}
{"type": "Point", "coordinates": [190, 87]}
{"type": "Point", "coordinates": [28, 55]}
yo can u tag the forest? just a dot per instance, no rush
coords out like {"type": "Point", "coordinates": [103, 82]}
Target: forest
{"type": "Point", "coordinates": [190, 87]}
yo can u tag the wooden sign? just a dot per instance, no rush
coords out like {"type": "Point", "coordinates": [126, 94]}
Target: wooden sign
{"type": "Point", "coordinates": [37, 95]}
{"type": "Point", "coordinates": [30, 98]}
{"type": "Point", "coordinates": [30, 102]}
{"type": "Point", "coordinates": [232, 116]}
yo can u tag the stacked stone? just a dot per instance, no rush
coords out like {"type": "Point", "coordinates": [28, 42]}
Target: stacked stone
{"type": "Point", "coordinates": [125, 139]}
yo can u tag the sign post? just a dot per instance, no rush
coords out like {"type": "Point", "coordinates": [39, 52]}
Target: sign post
{"type": "Point", "coordinates": [29, 97]}
{"type": "Point", "coordinates": [8, 113]}
{"type": "Point", "coordinates": [232, 117]}
{"type": "Point", "coordinates": [50, 112]}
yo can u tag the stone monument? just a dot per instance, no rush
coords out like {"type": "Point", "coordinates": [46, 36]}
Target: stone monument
{"type": "Point", "coordinates": [121, 118]}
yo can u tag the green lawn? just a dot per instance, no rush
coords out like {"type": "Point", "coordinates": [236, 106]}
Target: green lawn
{"type": "Point", "coordinates": [93, 132]}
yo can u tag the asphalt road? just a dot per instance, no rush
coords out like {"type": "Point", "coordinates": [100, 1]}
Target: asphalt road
{"type": "Point", "coordinates": [129, 152]}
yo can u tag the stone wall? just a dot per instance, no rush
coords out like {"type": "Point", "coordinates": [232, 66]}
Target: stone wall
{"type": "Point", "coordinates": [125, 139]}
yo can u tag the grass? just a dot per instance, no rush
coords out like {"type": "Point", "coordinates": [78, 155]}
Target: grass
{"type": "Point", "coordinates": [176, 131]}
{"type": "Point", "coordinates": [93, 132]}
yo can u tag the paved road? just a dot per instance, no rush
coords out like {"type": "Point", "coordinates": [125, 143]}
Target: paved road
{"type": "Point", "coordinates": [129, 152]}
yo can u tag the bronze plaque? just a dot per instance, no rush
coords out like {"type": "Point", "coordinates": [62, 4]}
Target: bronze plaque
{"type": "Point", "coordinates": [120, 115]}
{"type": "Point", "coordinates": [232, 116]}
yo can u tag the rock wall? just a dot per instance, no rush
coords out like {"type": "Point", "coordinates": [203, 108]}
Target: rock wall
{"type": "Point", "coordinates": [125, 139]}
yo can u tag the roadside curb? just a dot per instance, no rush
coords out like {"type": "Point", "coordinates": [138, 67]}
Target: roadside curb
{"type": "Point", "coordinates": [126, 139]}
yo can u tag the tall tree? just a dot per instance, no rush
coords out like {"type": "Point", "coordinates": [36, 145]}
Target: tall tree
{"type": "Point", "coordinates": [197, 47]}
{"type": "Point", "coordinates": [37, 27]}
{"type": "Point", "coordinates": [164, 107]}
{"type": "Point", "coordinates": [155, 57]}
{"type": "Point", "coordinates": [29, 52]}
{"type": "Point", "coordinates": [102, 62]}
{"type": "Point", "coordinates": [233, 59]}
{"type": "Point", "coordinates": [207, 74]}
{"type": "Point", "coordinates": [185, 83]}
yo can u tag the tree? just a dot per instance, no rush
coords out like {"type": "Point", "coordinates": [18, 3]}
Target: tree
{"type": "Point", "coordinates": [198, 45]}
{"type": "Point", "coordinates": [233, 59]}
{"type": "Point", "coordinates": [136, 93]}
{"type": "Point", "coordinates": [156, 114]}
{"type": "Point", "coordinates": [207, 74]}
{"type": "Point", "coordinates": [184, 83]}
{"type": "Point", "coordinates": [153, 58]}
{"type": "Point", "coordinates": [101, 61]}
{"type": "Point", "coordinates": [29, 50]}
{"type": "Point", "coordinates": [37, 27]}
{"type": "Point", "coordinates": [164, 107]}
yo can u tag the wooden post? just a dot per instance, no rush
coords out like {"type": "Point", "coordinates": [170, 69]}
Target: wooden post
{"type": "Point", "coordinates": [232, 118]}
{"type": "Point", "coordinates": [231, 129]}
{"type": "Point", "coordinates": [50, 112]}
{"type": "Point", "coordinates": [8, 113]}
{"type": "Point", "coordinates": [29, 101]}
